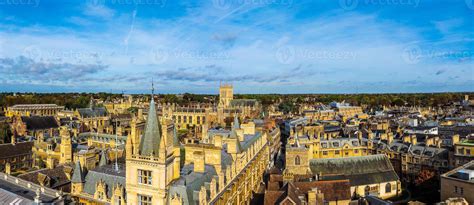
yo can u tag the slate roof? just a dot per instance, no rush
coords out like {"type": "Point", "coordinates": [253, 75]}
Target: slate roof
{"type": "Point", "coordinates": [150, 142]}
{"type": "Point", "coordinates": [92, 112]}
{"type": "Point", "coordinates": [243, 102]}
{"type": "Point", "coordinates": [19, 192]}
{"type": "Point", "coordinates": [78, 175]}
{"type": "Point", "coordinates": [9, 150]}
{"type": "Point", "coordinates": [190, 182]}
{"type": "Point", "coordinates": [106, 173]}
{"type": "Point", "coordinates": [40, 122]}
{"type": "Point", "coordinates": [359, 170]}
{"type": "Point", "coordinates": [57, 176]}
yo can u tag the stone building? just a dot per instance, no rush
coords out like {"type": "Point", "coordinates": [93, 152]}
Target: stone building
{"type": "Point", "coordinates": [459, 182]}
{"type": "Point", "coordinates": [372, 174]}
{"type": "Point", "coordinates": [14, 190]}
{"type": "Point", "coordinates": [32, 126]}
{"type": "Point", "coordinates": [15, 156]}
{"type": "Point", "coordinates": [33, 110]}
{"type": "Point", "coordinates": [306, 192]}
{"type": "Point", "coordinates": [464, 151]}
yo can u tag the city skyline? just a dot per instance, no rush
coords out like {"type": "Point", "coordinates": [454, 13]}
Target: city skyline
{"type": "Point", "coordinates": [285, 46]}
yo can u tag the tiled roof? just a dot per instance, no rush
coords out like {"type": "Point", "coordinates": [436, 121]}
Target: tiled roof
{"type": "Point", "coordinates": [10, 150]}
{"type": "Point", "coordinates": [57, 176]}
{"type": "Point", "coordinates": [359, 170]}
{"type": "Point", "coordinates": [190, 182]}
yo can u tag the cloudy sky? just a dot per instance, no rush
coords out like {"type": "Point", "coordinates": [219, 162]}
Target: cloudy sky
{"type": "Point", "coordinates": [260, 46]}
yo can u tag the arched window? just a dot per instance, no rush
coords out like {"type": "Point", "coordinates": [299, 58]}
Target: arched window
{"type": "Point", "coordinates": [367, 189]}
{"type": "Point", "coordinates": [297, 160]}
{"type": "Point", "coordinates": [388, 188]}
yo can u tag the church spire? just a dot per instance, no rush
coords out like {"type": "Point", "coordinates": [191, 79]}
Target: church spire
{"type": "Point", "coordinates": [103, 159]}
{"type": "Point", "coordinates": [236, 122]}
{"type": "Point", "coordinates": [150, 142]}
{"type": "Point", "coordinates": [77, 176]}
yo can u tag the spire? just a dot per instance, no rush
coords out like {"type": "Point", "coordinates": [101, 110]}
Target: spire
{"type": "Point", "coordinates": [150, 142]}
{"type": "Point", "coordinates": [77, 176]}
{"type": "Point", "coordinates": [103, 159]}
{"type": "Point", "coordinates": [236, 122]}
{"type": "Point", "coordinates": [91, 103]}
{"type": "Point", "coordinates": [175, 137]}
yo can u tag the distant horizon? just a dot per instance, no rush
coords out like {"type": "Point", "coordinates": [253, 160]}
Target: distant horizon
{"type": "Point", "coordinates": [216, 94]}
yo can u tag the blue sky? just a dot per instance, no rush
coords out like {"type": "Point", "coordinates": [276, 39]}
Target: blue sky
{"type": "Point", "coordinates": [260, 46]}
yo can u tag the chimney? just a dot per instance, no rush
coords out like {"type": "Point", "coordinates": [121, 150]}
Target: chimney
{"type": "Point", "coordinates": [199, 161]}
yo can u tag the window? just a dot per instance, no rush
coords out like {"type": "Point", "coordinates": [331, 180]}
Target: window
{"type": "Point", "coordinates": [461, 151]}
{"type": "Point", "coordinates": [356, 151]}
{"type": "Point", "coordinates": [144, 200]}
{"type": "Point", "coordinates": [144, 177]}
{"type": "Point", "coordinates": [461, 190]}
{"type": "Point", "coordinates": [297, 160]}
{"type": "Point", "coordinates": [179, 119]}
{"type": "Point", "coordinates": [337, 152]}
{"type": "Point", "coordinates": [118, 200]}
{"type": "Point", "coordinates": [468, 152]}
{"type": "Point", "coordinates": [190, 119]}
{"type": "Point", "coordinates": [455, 189]}
{"type": "Point", "coordinates": [388, 188]}
{"type": "Point", "coordinates": [325, 152]}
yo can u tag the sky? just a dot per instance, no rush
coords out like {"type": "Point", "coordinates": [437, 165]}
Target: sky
{"type": "Point", "coordinates": [259, 46]}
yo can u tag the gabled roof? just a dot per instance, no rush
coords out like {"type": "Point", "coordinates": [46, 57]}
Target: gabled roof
{"type": "Point", "coordinates": [150, 142]}
{"type": "Point", "coordinates": [108, 175]}
{"type": "Point", "coordinates": [359, 170]}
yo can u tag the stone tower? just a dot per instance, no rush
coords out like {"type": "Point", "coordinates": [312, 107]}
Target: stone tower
{"type": "Point", "coordinates": [153, 166]}
{"type": "Point", "coordinates": [66, 146]}
{"type": "Point", "coordinates": [226, 95]}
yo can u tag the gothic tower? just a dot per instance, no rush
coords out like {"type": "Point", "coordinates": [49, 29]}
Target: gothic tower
{"type": "Point", "coordinates": [151, 168]}
{"type": "Point", "coordinates": [226, 95]}
{"type": "Point", "coordinates": [66, 146]}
